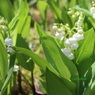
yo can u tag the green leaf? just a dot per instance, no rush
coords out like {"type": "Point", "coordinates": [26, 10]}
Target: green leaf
{"type": "Point", "coordinates": [72, 3]}
{"type": "Point", "coordinates": [86, 12]}
{"type": "Point", "coordinates": [90, 83]}
{"type": "Point", "coordinates": [56, 58]}
{"type": "Point", "coordinates": [84, 3]}
{"type": "Point", "coordinates": [23, 59]}
{"type": "Point", "coordinates": [6, 9]}
{"type": "Point", "coordinates": [18, 24]}
{"type": "Point", "coordinates": [36, 58]}
{"type": "Point", "coordinates": [55, 9]}
{"type": "Point", "coordinates": [86, 47]}
{"type": "Point", "coordinates": [6, 81]}
{"type": "Point", "coordinates": [25, 31]}
{"type": "Point", "coordinates": [3, 63]}
{"type": "Point", "coordinates": [55, 86]}
{"type": "Point", "coordinates": [42, 6]}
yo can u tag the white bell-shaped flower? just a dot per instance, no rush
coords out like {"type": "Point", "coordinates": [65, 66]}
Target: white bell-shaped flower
{"type": "Point", "coordinates": [54, 28]}
{"type": "Point", "coordinates": [79, 22]}
{"type": "Point", "coordinates": [59, 35]}
{"type": "Point", "coordinates": [10, 49]}
{"type": "Point", "coordinates": [80, 31]}
{"type": "Point", "coordinates": [92, 10]}
{"type": "Point", "coordinates": [78, 36]}
{"type": "Point", "coordinates": [8, 41]}
{"type": "Point", "coordinates": [67, 43]}
{"type": "Point", "coordinates": [72, 40]}
{"type": "Point", "coordinates": [66, 51]}
{"type": "Point", "coordinates": [71, 56]}
{"type": "Point", "coordinates": [74, 46]}
{"type": "Point", "coordinates": [16, 68]}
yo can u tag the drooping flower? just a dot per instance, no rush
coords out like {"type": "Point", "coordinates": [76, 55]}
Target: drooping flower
{"type": "Point", "coordinates": [8, 41]}
{"type": "Point", "coordinates": [78, 36]}
{"type": "Point", "coordinates": [71, 56]}
{"type": "Point", "coordinates": [68, 53]}
{"type": "Point", "coordinates": [16, 68]}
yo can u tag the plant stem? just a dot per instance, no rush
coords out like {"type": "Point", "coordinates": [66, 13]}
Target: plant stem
{"type": "Point", "coordinates": [33, 87]}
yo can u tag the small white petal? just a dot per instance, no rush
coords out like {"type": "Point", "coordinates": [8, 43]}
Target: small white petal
{"type": "Point", "coordinates": [54, 28]}
{"type": "Point", "coordinates": [92, 10]}
{"type": "Point", "coordinates": [80, 31]}
{"type": "Point", "coordinates": [16, 68]}
{"type": "Point", "coordinates": [72, 40]}
{"type": "Point", "coordinates": [66, 51]}
{"type": "Point", "coordinates": [10, 49]}
{"type": "Point", "coordinates": [59, 35]}
{"type": "Point", "coordinates": [67, 43]}
{"type": "Point", "coordinates": [8, 41]}
{"type": "Point", "coordinates": [79, 22]}
{"type": "Point", "coordinates": [59, 30]}
{"type": "Point", "coordinates": [74, 46]}
{"type": "Point", "coordinates": [78, 36]}
{"type": "Point", "coordinates": [71, 56]}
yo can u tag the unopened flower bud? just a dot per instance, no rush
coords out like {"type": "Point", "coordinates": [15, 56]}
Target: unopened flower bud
{"type": "Point", "coordinates": [54, 28]}
{"type": "Point", "coordinates": [80, 31]}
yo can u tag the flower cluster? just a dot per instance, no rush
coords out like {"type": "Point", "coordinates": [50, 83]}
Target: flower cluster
{"type": "Point", "coordinates": [59, 32]}
{"type": "Point", "coordinates": [92, 10]}
{"type": "Point", "coordinates": [70, 37]}
{"type": "Point", "coordinates": [8, 42]}
{"type": "Point", "coordinates": [3, 25]}
{"type": "Point", "coordinates": [4, 30]}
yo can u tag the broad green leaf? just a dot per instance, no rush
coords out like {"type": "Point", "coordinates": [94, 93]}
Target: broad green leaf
{"type": "Point", "coordinates": [84, 3]}
{"type": "Point", "coordinates": [25, 62]}
{"type": "Point", "coordinates": [18, 24]}
{"type": "Point", "coordinates": [84, 54]}
{"type": "Point", "coordinates": [3, 63]}
{"type": "Point", "coordinates": [72, 3]}
{"type": "Point", "coordinates": [6, 81]}
{"type": "Point", "coordinates": [6, 9]}
{"type": "Point", "coordinates": [86, 47]}
{"type": "Point", "coordinates": [56, 58]}
{"type": "Point", "coordinates": [55, 9]}
{"type": "Point", "coordinates": [90, 83]}
{"type": "Point", "coordinates": [23, 13]}
{"type": "Point", "coordinates": [36, 58]}
{"type": "Point", "coordinates": [55, 86]}
{"type": "Point", "coordinates": [26, 29]}
{"type": "Point", "coordinates": [23, 59]}
{"type": "Point", "coordinates": [42, 6]}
